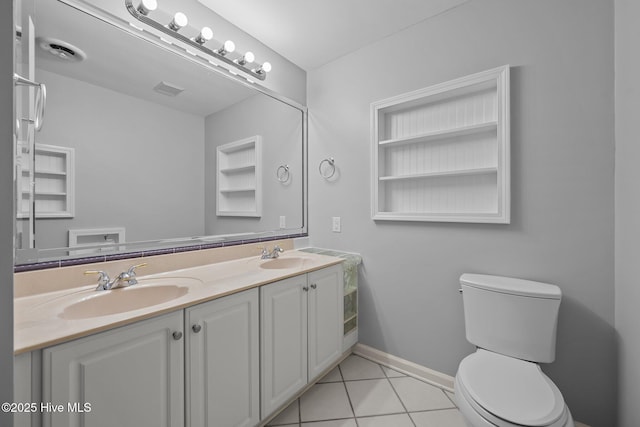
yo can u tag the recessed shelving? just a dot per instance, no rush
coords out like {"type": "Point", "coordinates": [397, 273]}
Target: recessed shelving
{"type": "Point", "coordinates": [238, 169]}
{"type": "Point", "coordinates": [479, 171]}
{"type": "Point", "coordinates": [442, 153]}
{"type": "Point", "coordinates": [238, 190]}
{"type": "Point", "coordinates": [53, 183]}
{"type": "Point", "coordinates": [239, 178]}
{"type": "Point", "coordinates": [442, 134]}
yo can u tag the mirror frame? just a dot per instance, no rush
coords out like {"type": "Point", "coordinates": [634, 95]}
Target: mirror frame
{"type": "Point", "coordinates": [37, 259]}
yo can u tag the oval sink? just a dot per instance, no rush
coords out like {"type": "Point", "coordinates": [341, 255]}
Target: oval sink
{"type": "Point", "coordinates": [104, 303]}
{"type": "Point", "coordinates": [283, 263]}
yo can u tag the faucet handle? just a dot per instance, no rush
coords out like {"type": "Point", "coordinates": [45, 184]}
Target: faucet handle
{"type": "Point", "coordinates": [132, 270]}
{"type": "Point", "coordinates": [103, 278]}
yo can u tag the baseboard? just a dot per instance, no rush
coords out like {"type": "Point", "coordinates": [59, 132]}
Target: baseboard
{"type": "Point", "coordinates": [413, 369]}
{"type": "Point", "coordinates": [406, 367]}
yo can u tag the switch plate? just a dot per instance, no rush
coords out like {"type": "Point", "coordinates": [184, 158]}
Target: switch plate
{"type": "Point", "coordinates": [283, 221]}
{"type": "Point", "coordinates": [336, 226]}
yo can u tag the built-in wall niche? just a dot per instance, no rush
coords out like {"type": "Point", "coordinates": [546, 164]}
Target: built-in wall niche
{"type": "Point", "coordinates": [239, 178]}
{"type": "Point", "coordinates": [94, 240]}
{"type": "Point", "coordinates": [53, 182]}
{"type": "Point", "coordinates": [442, 153]}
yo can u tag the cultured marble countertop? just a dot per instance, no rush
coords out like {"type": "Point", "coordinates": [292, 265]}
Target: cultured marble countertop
{"type": "Point", "coordinates": [42, 320]}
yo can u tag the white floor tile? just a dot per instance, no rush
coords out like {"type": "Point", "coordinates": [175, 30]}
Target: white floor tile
{"type": "Point", "coordinates": [325, 402]}
{"type": "Point", "coordinates": [442, 418]}
{"type": "Point", "coordinates": [290, 415]}
{"type": "Point", "coordinates": [420, 396]}
{"type": "Point", "coordinates": [358, 368]}
{"type": "Point", "coordinates": [373, 397]}
{"type": "Point", "coordinates": [398, 420]}
{"type": "Point", "coordinates": [333, 423]}
{"type": "Point", "coordinates": [391, 373]}
{"type": "Point", "coordinates": [332, 377]}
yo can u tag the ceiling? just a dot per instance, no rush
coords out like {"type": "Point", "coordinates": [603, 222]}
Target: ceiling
{"type": "Point", "coordinates": [107, 48]}
{"type": "Point", "coordinates": [327, 29]}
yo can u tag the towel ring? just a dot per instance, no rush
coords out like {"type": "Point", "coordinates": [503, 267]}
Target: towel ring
{"type": "Point", "coordinates": [283, 173]}
{"type": "Point", "coordinates": [330, 170]}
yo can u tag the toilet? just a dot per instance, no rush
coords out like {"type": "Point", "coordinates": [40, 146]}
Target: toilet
{"type": "Point", "coordinates": [512, 322]}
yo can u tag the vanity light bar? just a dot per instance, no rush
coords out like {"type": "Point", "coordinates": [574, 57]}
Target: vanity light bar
{"type": "Point", "coordinates": [179, 21]}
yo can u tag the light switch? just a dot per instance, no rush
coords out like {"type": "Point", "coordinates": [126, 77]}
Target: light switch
{"type": "Point", "coordinates": [283, 221]}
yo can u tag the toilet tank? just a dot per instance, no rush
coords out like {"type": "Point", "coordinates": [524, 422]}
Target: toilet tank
{"type": "Point", "coordinates": [511, 316]}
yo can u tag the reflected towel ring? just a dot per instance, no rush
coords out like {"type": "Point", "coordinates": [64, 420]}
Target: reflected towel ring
{"type": "Point", "coordinates": [330, 170]}
{"type": "Point", "coordinates": [283, 173]}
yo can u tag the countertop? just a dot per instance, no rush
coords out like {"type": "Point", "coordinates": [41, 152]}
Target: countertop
{"type": "Point", "coordinates": [43, 320]}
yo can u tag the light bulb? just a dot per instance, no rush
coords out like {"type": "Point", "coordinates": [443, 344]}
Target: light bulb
{"type": "Point", "coordinates": [227, 47]}
{"type": "Point", "coordinates": [205, 35]}
{"type": "Point", "coordinates": [247, 58]}
{"type": "Point", "coordinates": [147, 6]}
{"type": "Point", "coordinates": [264, 68]}
{"type": "Point", "coordinates": [179, 20]}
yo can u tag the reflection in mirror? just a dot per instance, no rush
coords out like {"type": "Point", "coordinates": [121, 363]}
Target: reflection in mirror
{"type": "Point", "coordinates": [141, 126]}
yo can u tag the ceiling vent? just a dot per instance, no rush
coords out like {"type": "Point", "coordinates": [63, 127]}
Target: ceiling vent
{"type": "Point", "coordinates": [61, 49]}
{"type": "Point", "coordinates": [168, 89]}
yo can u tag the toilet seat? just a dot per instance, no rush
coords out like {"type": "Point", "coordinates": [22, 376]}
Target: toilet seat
{"type": "Point", "coordinates": [509, 392]}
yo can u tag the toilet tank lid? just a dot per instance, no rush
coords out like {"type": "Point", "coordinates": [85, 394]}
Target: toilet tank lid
{"type": "Point", "coordinates": [512, 286]}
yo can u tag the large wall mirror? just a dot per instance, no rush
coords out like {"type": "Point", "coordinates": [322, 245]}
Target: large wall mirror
{"type": "Point", "coordinates": [147, 146]}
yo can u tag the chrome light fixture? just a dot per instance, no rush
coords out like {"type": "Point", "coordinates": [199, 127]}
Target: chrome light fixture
{"type": "Point", "coordinates": [205, 35]}
{"type": "Point", "coordinates": [263, 69]}
{"type": "Point", "coordinates": [227, 47]}
{"type": "Point", "coordinates": [180, 21]}
{"type": "Point", "coordinates": [247, 58]}
{"type": "Point", "coordinates": [147, 6]}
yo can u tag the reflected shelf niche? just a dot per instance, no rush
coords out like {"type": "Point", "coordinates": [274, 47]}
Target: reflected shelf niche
{"type": "Point", "coordinates": [239, 175]}
{"type": "Point", "coordinates": [442, 153]}
{"type": "Point", "coordinates": [53, 182]}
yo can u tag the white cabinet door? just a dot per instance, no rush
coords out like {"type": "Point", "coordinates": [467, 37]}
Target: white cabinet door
{"type": "Point", "coordinates": [283, 328]}
{"type": "Point", "coordinates": [325, 318]}
{"type": "Point", "coordinates": [222, 362]}
{"type": "Point", "coordinates": [130, 376]}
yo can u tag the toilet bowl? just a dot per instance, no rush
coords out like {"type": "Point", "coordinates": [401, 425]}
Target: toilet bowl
{"type": "Point", "coordinates": [496, 390]}
{"type": "Point", "coordinates": [512, 323]}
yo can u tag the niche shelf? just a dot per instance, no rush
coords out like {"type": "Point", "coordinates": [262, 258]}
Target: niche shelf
{"type": "Point", "coordinates": [239, 178]}
{"type": "Point", "coordinates": [442, 153]}
{"type": "Point", "coordinates": [53, 180]}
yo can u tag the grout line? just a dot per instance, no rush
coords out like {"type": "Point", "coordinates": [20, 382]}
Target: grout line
{"type": "Point", "coordinates": [346, 390]}
{"type": "Point", "coordinates": [398, 396]}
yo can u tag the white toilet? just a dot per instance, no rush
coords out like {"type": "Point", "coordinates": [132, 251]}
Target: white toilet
{"type": "Point", "coordinates": [513, 324]}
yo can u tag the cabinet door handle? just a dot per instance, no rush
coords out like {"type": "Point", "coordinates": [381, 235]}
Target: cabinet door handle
{"type": "Point", "coordinates": [305, 288]}
{"type": "Point", "coordinates": [313, 286]}
{"type": "Point", "coordinates": [196, 328]}
{"type": "Point", "coordinates": [177, 335]}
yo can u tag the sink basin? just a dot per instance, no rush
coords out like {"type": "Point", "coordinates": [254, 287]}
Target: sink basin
{"type": "Point", "coordinates": [121, 300]}
{"type": "Point", "coordinates": [278, 263]}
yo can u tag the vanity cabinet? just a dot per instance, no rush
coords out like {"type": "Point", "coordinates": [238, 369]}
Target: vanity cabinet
{"type": "Point", "coordinates": [130, 376]}
{"type": "Point", "coordinates": [301, 331]}
{"type": "Point", "coordinates": [228, 362]}
{"type": "Point", "coordinates": [222, 362]}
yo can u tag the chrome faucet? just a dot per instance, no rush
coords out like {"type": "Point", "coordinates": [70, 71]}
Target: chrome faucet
{"type": "Point", "coordinates": [124, 279]}
{"type": "Point", "coordinates": [275, 253]}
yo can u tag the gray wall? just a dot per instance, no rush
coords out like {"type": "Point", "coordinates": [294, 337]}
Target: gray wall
{"type": "Point", "coordinates": [6, 207]}
{"type": "Point", "coordinates": [562, 136]}
{"type": "Point", "coordinates": [627, 209]}
{"type": "Point", "coordinates": [138, 164]}
{"type": "Point", "coordinates": [280, 126]}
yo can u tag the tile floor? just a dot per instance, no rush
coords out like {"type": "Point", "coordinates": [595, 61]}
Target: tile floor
{"type": "Point", "coordinates": [362, 393]}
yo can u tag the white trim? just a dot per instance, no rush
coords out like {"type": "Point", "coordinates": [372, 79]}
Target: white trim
{"type": "Point", "coordinates": [430, 376]}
